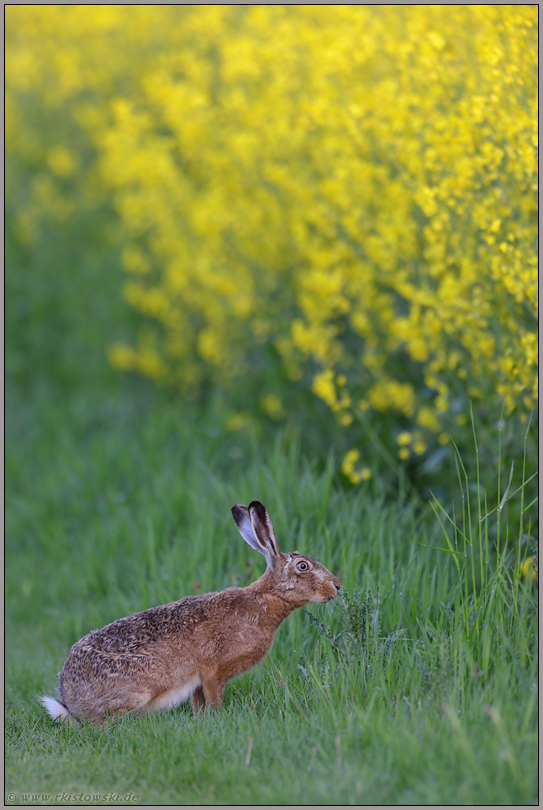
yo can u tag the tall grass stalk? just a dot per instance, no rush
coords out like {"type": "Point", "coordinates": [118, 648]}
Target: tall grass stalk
{"type": "Point", "coordinates": [489, 587]}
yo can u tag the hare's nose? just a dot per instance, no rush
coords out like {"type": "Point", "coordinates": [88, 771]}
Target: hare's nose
{"type": "Point", "coordinates": [337, 583]}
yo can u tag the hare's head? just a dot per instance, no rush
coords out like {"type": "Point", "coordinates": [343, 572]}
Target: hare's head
{"type": "Point", "coordinates": [297, 578]}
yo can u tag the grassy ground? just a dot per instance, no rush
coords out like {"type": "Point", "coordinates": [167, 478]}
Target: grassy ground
{"type": "Point", "coordinates": [119, 499]}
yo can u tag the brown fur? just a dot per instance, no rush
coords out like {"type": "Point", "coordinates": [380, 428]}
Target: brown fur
{"type": "Point", "coordinates": [155, 659]}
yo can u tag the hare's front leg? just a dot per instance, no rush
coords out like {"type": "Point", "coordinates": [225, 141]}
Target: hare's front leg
{"type": "Point", "coordinates": [210, 693]}
{"type": "Point", "coordinates": [198, 700]}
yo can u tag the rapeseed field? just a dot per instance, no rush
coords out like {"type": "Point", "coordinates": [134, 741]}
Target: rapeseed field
{"type": "Point", "coordinates": [336, 199]}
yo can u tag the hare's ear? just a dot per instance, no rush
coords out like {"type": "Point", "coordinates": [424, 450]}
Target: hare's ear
{"type": "Point", "coordinates": [263, 530]}
{"type": "Point", "coordinates": [243, 522]}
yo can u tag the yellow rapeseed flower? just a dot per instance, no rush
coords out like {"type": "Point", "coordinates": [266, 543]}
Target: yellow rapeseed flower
{"type": "Point", "coordinates": [530, 569]}
{"type": "Point", "coordinates": [353, 187]}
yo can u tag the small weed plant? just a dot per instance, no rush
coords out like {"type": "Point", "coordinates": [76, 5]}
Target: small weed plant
{"type": "Point", "coordinates": [360, 638]}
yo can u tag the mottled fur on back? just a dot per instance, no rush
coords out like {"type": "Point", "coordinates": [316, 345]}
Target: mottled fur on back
{"type": "Point", "coordinates": [155, 659]}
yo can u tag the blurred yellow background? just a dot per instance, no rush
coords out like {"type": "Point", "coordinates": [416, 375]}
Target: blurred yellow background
{"type": "Point", "coordinates": [348, 192]}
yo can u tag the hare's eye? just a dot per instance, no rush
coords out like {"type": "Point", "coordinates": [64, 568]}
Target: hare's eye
{"type": "Point", "coordinates": [302, 566]}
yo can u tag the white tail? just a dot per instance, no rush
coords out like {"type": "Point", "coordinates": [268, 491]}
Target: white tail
{"type": "Point", "coordinates": [57, 710]}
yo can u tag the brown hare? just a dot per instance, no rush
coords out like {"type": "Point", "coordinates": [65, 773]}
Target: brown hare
{"type": "Point", "coordinates": [158, 658]}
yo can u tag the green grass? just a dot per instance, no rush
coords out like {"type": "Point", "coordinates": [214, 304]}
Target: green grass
{"type": "Point", "coordinates": [118, 498]}
{"type": "Point", "coordinates": [113, 507]}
